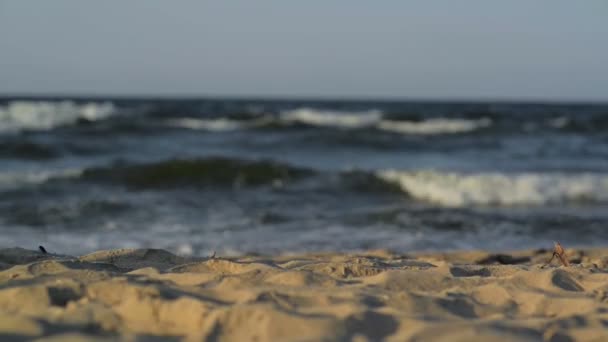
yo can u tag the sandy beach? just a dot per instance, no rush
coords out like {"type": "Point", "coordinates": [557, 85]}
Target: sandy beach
{"type": "Point", "coordinates": [150, 295]}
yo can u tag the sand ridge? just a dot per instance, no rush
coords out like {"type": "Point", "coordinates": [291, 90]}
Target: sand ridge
{"type": "Point", "coordinates": [148, 294]}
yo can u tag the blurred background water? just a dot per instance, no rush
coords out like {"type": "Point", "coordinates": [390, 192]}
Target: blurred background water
{"type": "Point", "coordinates": [275, 176]}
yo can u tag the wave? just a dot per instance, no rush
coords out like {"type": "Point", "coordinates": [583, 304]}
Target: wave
{"type": "Point", "coordinates": [451, 189]}
{"type": "Point", "coordinates": [581, 124]}
{"type": "Point", "coordinates": [212, 171]}
{"type": "Point", "coordinates": [17, 116]}
{"type": "Point", "coordinates": [445, 189]}
{"type": "Point", "coordinates": [375, 119]}
{"type": "Point", "coordinates": [18, 179]}
{"type": "Point", "coordinates": [26, 150]}
{"type": "Point", "coordinates": [371, 119]}
{"type": "Point", "coordinates": [434, 126]}
{"type": "Point", "coordinates": [326, 118]}
{"type": "Point", "coordinates": [219, 125]}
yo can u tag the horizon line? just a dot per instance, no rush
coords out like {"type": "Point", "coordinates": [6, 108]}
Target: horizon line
{"type": "Point", "coordinates": [303, 98]}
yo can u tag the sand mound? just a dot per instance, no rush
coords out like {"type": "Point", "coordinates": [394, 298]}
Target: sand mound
{"type": "Point", "coordinates": [152, 294]}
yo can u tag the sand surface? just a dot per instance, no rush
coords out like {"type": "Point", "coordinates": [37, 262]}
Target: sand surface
{"type": "Point", "coordinates": [147, 294]}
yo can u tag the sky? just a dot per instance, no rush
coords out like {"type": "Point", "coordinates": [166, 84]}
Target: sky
{"type": "Point", "coordinates": [470, 49]}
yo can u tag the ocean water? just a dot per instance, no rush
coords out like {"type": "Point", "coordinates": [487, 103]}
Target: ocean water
{"type": "Point", "coordinates": [261, 176]}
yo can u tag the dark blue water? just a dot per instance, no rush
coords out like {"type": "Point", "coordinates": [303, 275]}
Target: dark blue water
{"type": "Point", "coordinates": [240, 176]}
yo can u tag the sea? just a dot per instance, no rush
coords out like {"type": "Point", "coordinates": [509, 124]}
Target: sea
{"type": "Point", "coordinates": [239, 176]}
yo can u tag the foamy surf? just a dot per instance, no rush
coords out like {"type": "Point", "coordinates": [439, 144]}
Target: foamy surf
{"type": "Point", "coordinates": [45, 115]}
{"type": "Point", "coordinates": [434, 126]}
{"type": "Point", "coordinates": [220, 124]}
{"type": "Point", "coordinates": [15, 180]}
{"type": "Point", "coordinates": [197, 175]}
{"type": "Point", "coordinates": [452, 189]}
{"type": "Point", "coordinates": [207, 124]}
{"type": "Point", "coordinates": [332, 118]}
{"type": "Point", "coordinates": [374, 119]}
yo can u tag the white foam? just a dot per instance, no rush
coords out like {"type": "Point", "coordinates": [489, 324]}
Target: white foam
{"type": "Point", "coordinates": [16, 179]}
{"type": "Point", "coordinates": [559, 122]}
{"type": "Point", "coordinates": [434, 126]}
{"type": "Point", "coordinates": [44, 115]}
{"type": "Point", "coordinates": [458, 190]}
{"type": "Point", "coordinates": [332, 118]}
{"type": "Point", "coordinates": [373, 118]}
{"type": "Point", "coordinates": [338, 119]}
{"type": "Point", "coordinates": [221, 124]}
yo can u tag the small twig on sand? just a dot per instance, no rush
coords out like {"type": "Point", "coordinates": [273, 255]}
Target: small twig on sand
{"type": "Point", "coordinates": [42, 249]}
{"type": "Point", "coordinates": [560, 253]}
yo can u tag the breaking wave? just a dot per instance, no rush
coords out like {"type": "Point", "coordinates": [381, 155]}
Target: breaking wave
{"type": "Point", "coordinates": [332, 118]}
{"type": "Point", "coordinates": [458, 190]}
{"type": "Point", "coordinates": [434, 126]}
{"type": "Point", "coordinates": [16, 116]}
{"type": "Point", "coordinates": [445, 189]}
{"type": "Point", "coordinates": [18, 179]}
{"type": "Point", "coordinates": [371, 119]}
{"type": "Point", "coordinates": [219, 125]}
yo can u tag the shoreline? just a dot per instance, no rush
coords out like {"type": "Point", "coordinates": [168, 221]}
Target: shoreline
{"type": "Point", "coordinates": [142, 294]}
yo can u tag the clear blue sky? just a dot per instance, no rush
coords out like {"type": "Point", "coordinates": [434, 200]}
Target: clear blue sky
{"type": "Point", "coordinates": [517, 49]}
